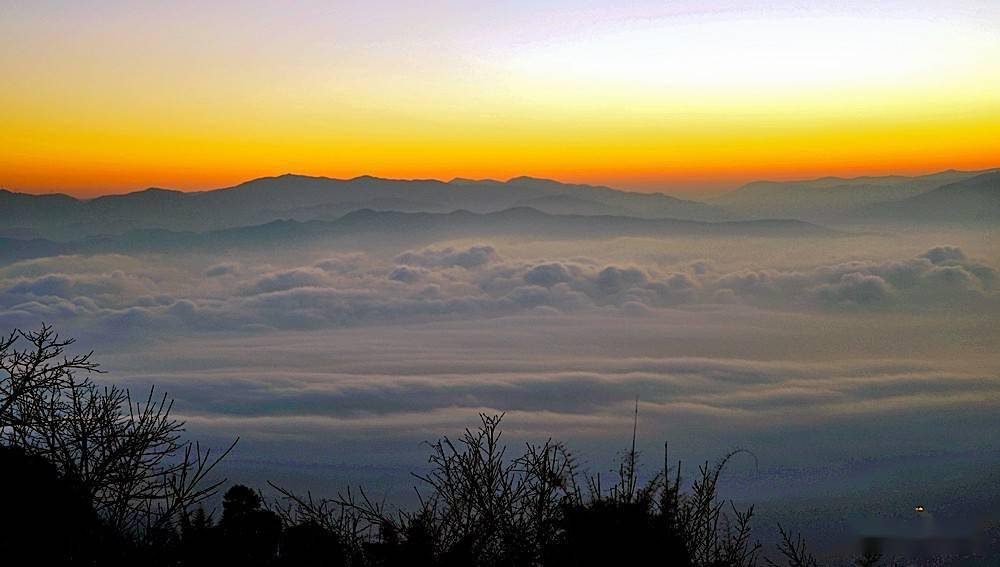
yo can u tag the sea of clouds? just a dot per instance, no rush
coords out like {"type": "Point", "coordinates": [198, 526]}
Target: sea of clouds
{"type": "Point", "coordinates": [334, 368]}
{"type": "Point", "coordinates": [116, 293]}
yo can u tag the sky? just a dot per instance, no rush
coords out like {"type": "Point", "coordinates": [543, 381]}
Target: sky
{"type": "Point", "coordinates": [110, 96]}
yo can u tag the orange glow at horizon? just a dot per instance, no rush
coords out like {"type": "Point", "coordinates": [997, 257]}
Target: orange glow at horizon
{"type": "Point", "coordinates": [183, 98]}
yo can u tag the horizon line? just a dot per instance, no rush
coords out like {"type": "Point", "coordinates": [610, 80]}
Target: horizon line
{"type": "Point", "coordinates": [460, 178]}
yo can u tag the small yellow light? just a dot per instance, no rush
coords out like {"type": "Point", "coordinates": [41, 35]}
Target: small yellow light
{"type": "Point", "coordinates": [918, 509]}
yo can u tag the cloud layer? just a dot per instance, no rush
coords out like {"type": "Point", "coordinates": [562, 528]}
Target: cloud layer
{"type": "Point", "coordinates": [340, 363]}
{"type": "Point", "coordinates": [837, 363]}
{"type": "Point", "coordinates": [470, 282]}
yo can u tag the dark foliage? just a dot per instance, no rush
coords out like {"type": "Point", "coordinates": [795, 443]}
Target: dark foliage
{"type": "Point", "coordinates": [482, 508]}
{"type": "Point", "coordinates": [46, 515]}
{"type": "Point", "coordinates": [124, 458]}
{"type": "Point", "coordinates": [91, 477]}
{"type": "Point", "coordinates": [250, 534]}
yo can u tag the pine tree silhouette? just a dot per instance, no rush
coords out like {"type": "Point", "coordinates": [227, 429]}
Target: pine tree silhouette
{"type": "Point", "coordinates": [251, 533]}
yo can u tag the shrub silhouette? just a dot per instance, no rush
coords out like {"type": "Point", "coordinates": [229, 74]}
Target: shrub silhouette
{"type": "Point", "coordinates": [310, 545]}
{"type": "Point", "coordinates": [198, 543]}
{"type": "Point", "coordinates": [795, 554]}
{"type": "Point", "coordinates": [126, 455]}
{"type": "Point", "coordinates": [45, 516]}
{"type": "Point", "coordinates": [91, 477]}
{"type": "Point", "coordinates": [484, 509]}
{"type": "Point", "coordinates": [250, 532]}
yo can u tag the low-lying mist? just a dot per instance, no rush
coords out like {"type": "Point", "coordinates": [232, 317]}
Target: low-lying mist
{"type": "Point", "coordinates": [836, 361]}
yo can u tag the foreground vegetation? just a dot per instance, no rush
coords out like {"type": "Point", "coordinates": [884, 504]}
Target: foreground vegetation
{"type": "Point", "coordinates": [92, 476]}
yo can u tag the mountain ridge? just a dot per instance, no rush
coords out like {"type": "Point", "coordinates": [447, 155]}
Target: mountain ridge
{"type": "Point", "coordinates": [976, 199]}
{"type": "Point", "coordinates": [296, 196]}
{"type": "Point", "coordinates": [828, 199]}
{"type": "Point", "coordinates": [825, 200]}
{"type": "Point", "coordinates": [372, 228]}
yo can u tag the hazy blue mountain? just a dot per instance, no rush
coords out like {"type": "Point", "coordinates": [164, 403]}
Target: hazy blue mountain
{"type": "Point", "coordinates": [63, 217]}
{"type": "Point", "coordinates": [300, 197]}
{"type": "Point", "coordinates": [829, 197]}
{"type": "Point", "coordinates": [641, 205]}
{"type": "Point", "coordinates": [21, 210]}
{"type": "Point", "coordinates": [472, 195]}
{"type": "Point", "coordinates": [295, 197]}
{"type": "Point", "coordinates": [524, 221]}
{"type": "Point", "coordinates": [19, 233]}
{"type": "Point", "coordinates": [973, 200]}
{"type": "Point", "coordinates": [568, 205]}
{"type": "Point", "coordinates": [333, 211]}
{"type": "Point", "coordinates": [371, 228]}
{"type": "Point", "coordinates": [12, 249]}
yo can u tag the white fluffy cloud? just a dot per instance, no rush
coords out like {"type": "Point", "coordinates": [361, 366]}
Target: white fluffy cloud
{"type": "Point", "coordinates": [471, 282]}
{"type": "Point", "coordinates": [472, 257]}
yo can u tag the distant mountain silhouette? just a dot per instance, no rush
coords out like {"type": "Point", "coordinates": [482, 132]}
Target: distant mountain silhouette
{"type": "Point", "coordinates": [568, 205]}
{"type": "Point", "coordinates": [828, 198]}
{"type": "Point", "coordinates": [12, 249]}
{"type": "Point", "coordinates": [367, 227]}
{"type": "Point", "coordinates": [298, 197]}
{"type": "Point", "coordinates": [58, 217]}
{"type": "Point", "coordinates": [976, 199]}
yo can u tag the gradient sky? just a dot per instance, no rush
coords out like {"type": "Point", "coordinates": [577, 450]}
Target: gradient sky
{"type": "Point", "coordinates": [110, 96]}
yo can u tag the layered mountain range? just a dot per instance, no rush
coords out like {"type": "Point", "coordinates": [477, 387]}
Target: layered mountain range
{"type": "Point", "coordinates": [296, 197]}
{"type": "Point", "coordinates": [309, 206]}
{"type": "Point", "coordinates": [956, 194]}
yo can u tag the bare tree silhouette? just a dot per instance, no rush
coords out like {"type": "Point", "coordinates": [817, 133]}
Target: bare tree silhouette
{"type": "Point", "coordinates": [483, 508]}
{"type": "Point", "coordinates": [127, 455]}
{"type": "Point", "coordinates": [114, 477]}
{"type": "Point", "coordinates": [30, 372]}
